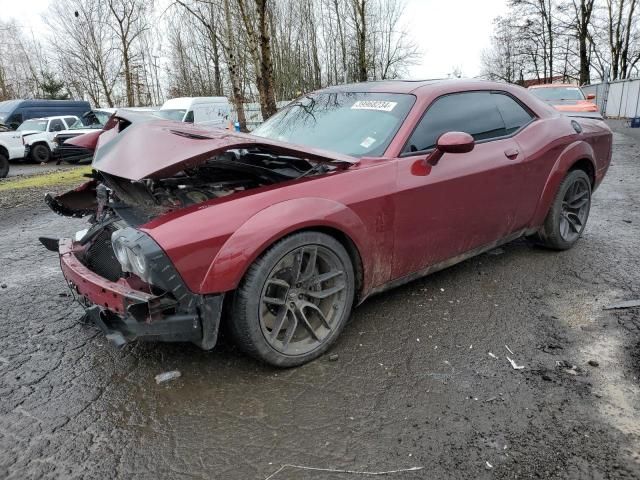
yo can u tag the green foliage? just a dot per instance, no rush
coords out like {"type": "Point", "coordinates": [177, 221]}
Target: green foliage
{"type": "Point", "coordinates": [53, 89]}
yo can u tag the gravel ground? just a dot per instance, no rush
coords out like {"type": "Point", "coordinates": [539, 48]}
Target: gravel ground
{"type": "Point", "coordinates": [413, 386]}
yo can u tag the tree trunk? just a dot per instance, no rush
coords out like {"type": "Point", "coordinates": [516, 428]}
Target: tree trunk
{"type": "Point", "coordinates": [266, 63]}
{"type": "Point", "coordinates": [234, 74]}
{"type": "Point", "coordinates": [361, 33]}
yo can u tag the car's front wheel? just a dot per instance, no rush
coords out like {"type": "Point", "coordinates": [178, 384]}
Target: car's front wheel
{"type": "Point", "coordinates": [568, 215]}
{"type": "Point", "coordinates": [40, 153]}
{"type": "Point", "coordinates": [4, 166]}
{"type": "Point", "coordinates": [294, 300]}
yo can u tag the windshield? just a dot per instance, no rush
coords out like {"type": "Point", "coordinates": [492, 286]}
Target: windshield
{"type": "Point", "coordinates": [355, 124]}
{"type": "Point", "coordinates": [33, 125]}
{"type": "Point", "coordinates": [171, 114]}
{"type": "Point", "coordinates": [92, 119]}
{"type": "Point", "coordinates": [559, 93]}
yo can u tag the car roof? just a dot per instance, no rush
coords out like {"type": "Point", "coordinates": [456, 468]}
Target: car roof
{"type": "Point", "coordinates": [51, 118]}
{"type": "Point", "coordinates": [553, 85]}
{"type": "Point", "coordinates": [419, 87]}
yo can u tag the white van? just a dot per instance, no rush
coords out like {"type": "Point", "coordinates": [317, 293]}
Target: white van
{"type": "Point", "coordinates": [213, 112]}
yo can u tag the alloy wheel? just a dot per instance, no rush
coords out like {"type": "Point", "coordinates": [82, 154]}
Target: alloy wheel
{"type": "Point", "coordinates": [575, 210]}
{"type": "Point", "coordinates": [303, 299]}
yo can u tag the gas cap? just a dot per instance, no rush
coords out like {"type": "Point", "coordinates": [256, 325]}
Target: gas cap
{"type": "Point", "coordinates": [576, 126]}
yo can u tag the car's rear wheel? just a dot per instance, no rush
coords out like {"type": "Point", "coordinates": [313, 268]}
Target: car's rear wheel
{"type": "Point", "coordinates": [40, 153]}
{"type": "Point", "coordinates": [568, 215]}
{"type": "Point", "coordinates": [4, 165]}
{"type": "Point", "coordinates": [294, 300]}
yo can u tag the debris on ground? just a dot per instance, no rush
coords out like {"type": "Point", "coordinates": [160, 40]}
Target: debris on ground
{"type": "Point", "coordinates": [4, 285]}
{"type": "Point", "coordinates": [625, 304]}
{"type": "Point", "coordinates": [333, 357]}
{"type": "Point", "coordinates": [515, 365]}
{"type": "Point", "coordinates": [567, 367]}
{"type": "Point", "coordinates": [489, 466]}
{"type": "Point", "coordinates": [509, 350]}
{"type": "Point", "coordinates": [493, 356]}
{"type": "Point", "coordinates": [167, 376]}
{"type": "Point", "coordinates": [333, 470]}
{"type": "Point", "coordinates": [593, 363]}
{"type": "Point", "coordinates": [496, 252]}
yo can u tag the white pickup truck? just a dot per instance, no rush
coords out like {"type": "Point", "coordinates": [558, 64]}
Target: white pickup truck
{"type": "Point", "coordinates": [33, 140]}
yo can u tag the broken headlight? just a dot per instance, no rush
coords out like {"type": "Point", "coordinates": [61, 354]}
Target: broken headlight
{"type": "Point", "coordinates": [131, 257]}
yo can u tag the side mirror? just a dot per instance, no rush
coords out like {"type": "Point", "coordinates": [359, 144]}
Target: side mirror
{"type": "Point", "coordinates": [451, 142]}
{"type": "Point", "coordinates": [591, 96]}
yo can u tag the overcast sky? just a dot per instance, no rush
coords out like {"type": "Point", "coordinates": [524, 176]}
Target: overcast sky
{"type": "Point", "coordinates": [450, 33]}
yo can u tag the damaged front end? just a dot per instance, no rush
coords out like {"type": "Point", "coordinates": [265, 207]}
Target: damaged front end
{"type": "Point", "coordinates": [124, 279]}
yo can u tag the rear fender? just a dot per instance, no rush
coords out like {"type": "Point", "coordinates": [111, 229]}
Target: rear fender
{"type": "Point", "coordinates": [266, 227]}
{"type": "Point", "coordinates": [575, 152]}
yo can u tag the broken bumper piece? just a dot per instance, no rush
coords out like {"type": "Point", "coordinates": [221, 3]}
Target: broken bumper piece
{"type": "Point", "coordinates": [125, 314]}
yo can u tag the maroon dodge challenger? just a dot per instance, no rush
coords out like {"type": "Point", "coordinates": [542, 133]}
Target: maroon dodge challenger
{"type": "Point", "coordinates": [344, 193]}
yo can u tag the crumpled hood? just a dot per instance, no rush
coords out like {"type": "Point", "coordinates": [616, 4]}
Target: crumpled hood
{"type": "Point", "coordinates": [152, 148]}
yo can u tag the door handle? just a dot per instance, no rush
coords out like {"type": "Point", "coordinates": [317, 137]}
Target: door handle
{"type": "Point", "coordinates": [511, 153]}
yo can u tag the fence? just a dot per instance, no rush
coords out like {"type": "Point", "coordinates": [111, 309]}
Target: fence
{"type": "Point", "coordinates": [253, 114]}
{"type": "Point", "coordinates": [617, 99]}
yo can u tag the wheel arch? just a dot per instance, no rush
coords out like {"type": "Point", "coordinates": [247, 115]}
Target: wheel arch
{"type": "Point", "coordinates": [40, 142]}
{"type": "Point", "coordinates": [4, 151]}
{"type": "Point", "coordinates": [587, 166]}
{"type": "Point", "coordinates": [261, 231]}
{"type": "Point", "coordinates": [577, 156]}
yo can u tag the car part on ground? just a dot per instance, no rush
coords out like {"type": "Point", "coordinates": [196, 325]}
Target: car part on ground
{"type": "Point", "coordinates": [289, 236]}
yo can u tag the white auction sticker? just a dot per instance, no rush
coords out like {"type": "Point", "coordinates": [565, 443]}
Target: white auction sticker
{"type": "Point", "coordinates": [367, 142]}
{"type": "Point", "coordinates": [381, 105]}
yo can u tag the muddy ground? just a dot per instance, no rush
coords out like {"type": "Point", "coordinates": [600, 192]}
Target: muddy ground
{"type": "Point", "coordinates": [413, 386]}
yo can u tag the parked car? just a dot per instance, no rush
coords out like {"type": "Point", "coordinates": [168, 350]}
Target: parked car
{"type": "Point", "coordinates": [204, 111]}
{"type": "Point", "coordinates": [88, 122]}
{"type": "Point", "coordinates": [32, 140]}
{"type": "Point", "coordinates": [565, 97]}
{"type": "Point", "coordinates": [386, 182]}
{"type": "Point", "coordinates": [39, 144]}
{"type": "Point", "coordinates": [14, 112]}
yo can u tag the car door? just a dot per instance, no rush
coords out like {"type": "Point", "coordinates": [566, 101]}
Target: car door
{"type": "Point", "coordinates": [467, 200]}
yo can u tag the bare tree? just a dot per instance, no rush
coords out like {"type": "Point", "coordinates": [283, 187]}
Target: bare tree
{"type": "Point", "coordinates": [129, 21]}
{"type": "Point", "coordinates": [256, 25]}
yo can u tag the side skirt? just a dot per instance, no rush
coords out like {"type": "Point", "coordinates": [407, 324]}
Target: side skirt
{"type": "Point", "coordinates": [444, 264]}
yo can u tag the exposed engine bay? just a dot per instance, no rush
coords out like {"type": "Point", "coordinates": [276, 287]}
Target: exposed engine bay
{"type": "Point", "coordinates": [138, 201]}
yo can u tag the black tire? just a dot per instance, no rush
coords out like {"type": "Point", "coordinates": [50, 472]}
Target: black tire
{"type": "Point", "coordinates": [40, 153]}
{"type": "Point", "coordinates": [250, 309]}
{"type": "Point", "coordinates": [4, 165]}
{"type": "Point", "coordinates": [564, 224]}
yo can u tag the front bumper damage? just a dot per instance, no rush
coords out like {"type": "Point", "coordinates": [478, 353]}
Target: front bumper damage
{"type": "Point", "coordinates": [127, 309]}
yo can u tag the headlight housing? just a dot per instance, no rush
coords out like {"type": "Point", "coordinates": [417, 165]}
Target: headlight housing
{"type": "Point", "coordinates": [131, 257]}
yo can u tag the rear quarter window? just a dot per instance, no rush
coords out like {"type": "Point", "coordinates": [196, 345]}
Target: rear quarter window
{"type": "Point", "coordinates": [515, 116]}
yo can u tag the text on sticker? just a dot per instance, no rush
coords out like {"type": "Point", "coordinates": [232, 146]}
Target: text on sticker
{"type": "Point", "coordinates": [374, 105]}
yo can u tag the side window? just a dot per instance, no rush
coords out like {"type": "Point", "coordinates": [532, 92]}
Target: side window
{"type": "Point", "coordinates": [188, 118]}
{"type": "Point", "coordinates": [56, 125]}
{"type": "Point", "coordinates": [15, 120]}
{"type": "Point", "coordinates": [514, 115]}
{"type": "Point", "coordinates": [475, 113]}
{"type": "Point", "coordinates": [69, 121]}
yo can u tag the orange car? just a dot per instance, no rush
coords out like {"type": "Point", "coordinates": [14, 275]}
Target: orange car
{"type": "Point", "coordinates": [565, 97]}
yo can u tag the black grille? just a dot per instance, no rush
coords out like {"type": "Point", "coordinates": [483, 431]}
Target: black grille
{"type": "Point", "coordinates": [101, 258]}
